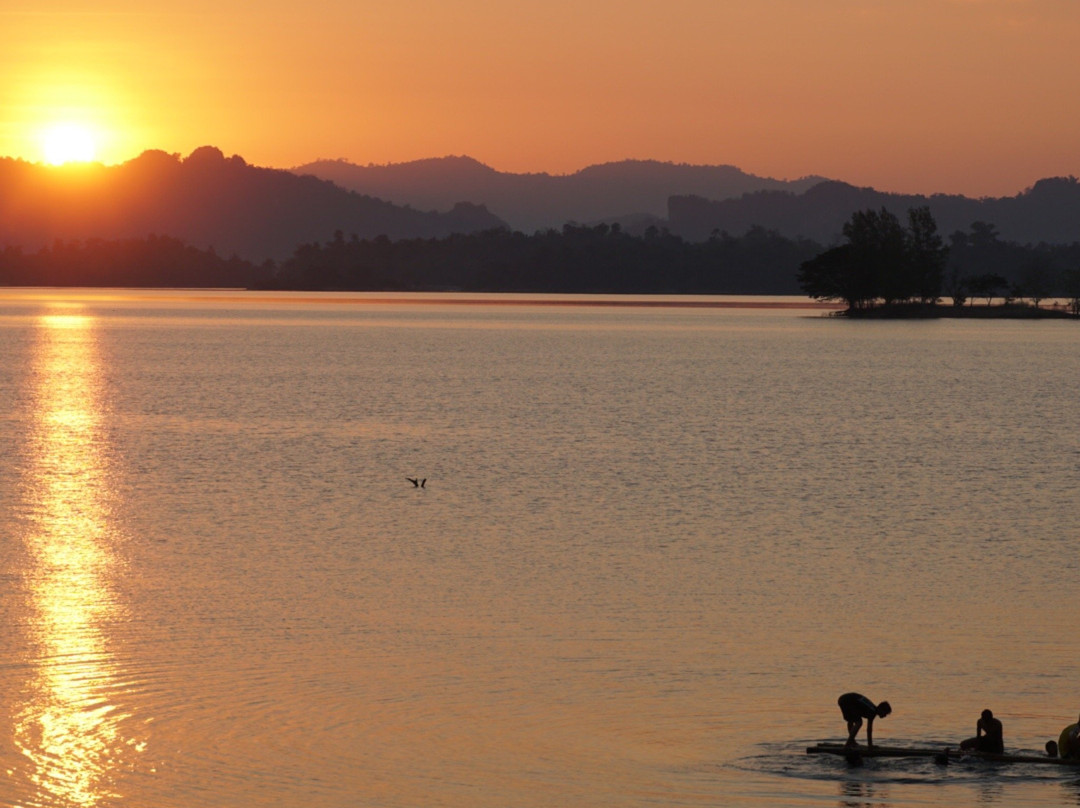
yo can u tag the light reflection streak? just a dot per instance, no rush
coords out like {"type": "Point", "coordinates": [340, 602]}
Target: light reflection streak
{"type": "Point", "coordinates": [70, 728]}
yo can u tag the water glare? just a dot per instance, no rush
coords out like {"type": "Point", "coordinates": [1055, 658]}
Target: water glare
{"type": "Point", "coordinates": [67, 724]}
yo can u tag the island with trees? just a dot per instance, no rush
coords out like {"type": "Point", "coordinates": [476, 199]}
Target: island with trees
{"type": "Point", "coordinates": [884, 269]}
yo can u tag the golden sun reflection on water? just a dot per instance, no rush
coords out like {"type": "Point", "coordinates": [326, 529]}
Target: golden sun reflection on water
{"type": "Point", "coordinates": [69, 727]}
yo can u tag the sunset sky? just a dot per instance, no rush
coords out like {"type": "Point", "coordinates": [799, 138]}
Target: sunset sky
{"type": "Point", "coordinates": [966, 96]}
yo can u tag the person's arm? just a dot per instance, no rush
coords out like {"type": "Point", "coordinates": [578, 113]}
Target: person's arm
{"type": "Point", "coordinates": [979, 728]}
{"type": "Point", "coordinates": [870, 731]}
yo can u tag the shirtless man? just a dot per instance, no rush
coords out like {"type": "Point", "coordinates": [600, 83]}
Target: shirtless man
{"type": "Point", "coordinates": [989, 736]}
{"type": "Point", "coordinates": [855, 707]}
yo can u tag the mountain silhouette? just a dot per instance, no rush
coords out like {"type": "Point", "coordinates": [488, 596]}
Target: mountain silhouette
{"type": "Point", "coordinates": [208, 201]}
{"type": "Point", "coordinates": [1047, 212]}
{"type": "Point", "coordinates": [633, 193]}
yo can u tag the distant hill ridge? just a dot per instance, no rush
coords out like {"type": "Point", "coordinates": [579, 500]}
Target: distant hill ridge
{"type": "Point", "coordinates": [693, 201]}
{"type": "Point", "coordinates": [207, 200]}
{"type": "Point", "coordinates": [1047, 212]}
{"type": "Point", "coordinates": [628, 190]}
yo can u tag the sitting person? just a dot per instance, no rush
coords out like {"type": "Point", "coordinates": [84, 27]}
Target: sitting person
{"type": "Point", "coordinates": [1069, 742]}
{"type": "Point", "coordinates": [989, 736]}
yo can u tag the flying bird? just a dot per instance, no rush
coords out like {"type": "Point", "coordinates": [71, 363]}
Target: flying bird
{"type": "Point", "coordinates": [417, 483]}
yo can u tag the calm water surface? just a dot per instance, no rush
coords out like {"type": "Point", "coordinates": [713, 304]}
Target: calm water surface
{"type": "Point", "coordinates": [655, 544]}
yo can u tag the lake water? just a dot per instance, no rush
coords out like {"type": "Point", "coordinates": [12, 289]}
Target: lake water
{"type": "Point", "coordinates": [654, 545]}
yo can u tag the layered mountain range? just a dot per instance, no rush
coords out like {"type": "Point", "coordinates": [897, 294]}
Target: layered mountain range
{"type": "Point", "coordinates": [695, 202]}
{"type": "Point", "coordinates": [209, 200]}
{"type": "Point", "coordinates": [1048, 212]}
{"type": "Point", "coordinates": [633, 193]}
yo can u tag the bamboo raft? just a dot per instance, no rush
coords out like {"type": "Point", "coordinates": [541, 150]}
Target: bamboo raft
{"type": "Point", "coordinates": [857, 753]}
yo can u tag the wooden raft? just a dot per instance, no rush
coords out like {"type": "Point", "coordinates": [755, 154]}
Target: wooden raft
{"type": "Point", "coordinates": [860, 752]}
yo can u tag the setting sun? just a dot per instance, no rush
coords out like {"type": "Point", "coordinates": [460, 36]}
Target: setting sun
{"type": "Point", "coordinates": [68, 143]}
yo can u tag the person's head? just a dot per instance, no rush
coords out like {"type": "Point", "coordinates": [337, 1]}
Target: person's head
{"type": "Point", "coordinates": [987, 714]}
{"type": "Point", "coordinates": [884, 709]}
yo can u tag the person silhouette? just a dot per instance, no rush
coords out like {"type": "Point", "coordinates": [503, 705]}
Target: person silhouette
{"type": "Point", "coordinates": [1069, 741]}
{"type": "Point", "coordinates": [989, 736]}
{"type": "Point", "coordinates": [855, 707]}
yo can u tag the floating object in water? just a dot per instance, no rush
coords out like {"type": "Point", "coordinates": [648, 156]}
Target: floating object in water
{"type": "Point", "coordinates": [855, 754]}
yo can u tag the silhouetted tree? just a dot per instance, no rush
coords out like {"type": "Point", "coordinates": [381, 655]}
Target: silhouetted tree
{"type": "Point", "coordinates": [955, 286]}
{"type": "Point", "coordinates": [836, 275]}
{"type": "Point", "coordinates": [881, 260]}
{"type": "Point", "coordinates": [927, 255]}
{"type": "Point", "coordinates": [988, 285]}
{"type": "Point", "coordinates": [878, 254]}
{"type": "Point", "coordinates": [983, 235]}
{"type": "Point", "coordinates": [1036, 279]}
{"type": "Point", "coordinates": [1070, 280]}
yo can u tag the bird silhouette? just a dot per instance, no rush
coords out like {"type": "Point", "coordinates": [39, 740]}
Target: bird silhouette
{"type": "Point", "coordinates": [417, 483]}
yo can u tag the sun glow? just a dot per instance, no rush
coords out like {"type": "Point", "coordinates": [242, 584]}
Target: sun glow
{"type": "Point", "coordinates": [68, 143]}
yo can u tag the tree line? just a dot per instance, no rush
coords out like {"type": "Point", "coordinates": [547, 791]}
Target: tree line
{"type": "Point", "coordinates": [883, 264]}
{"type": "Point", "coordinates": [584, 259]}
{"type": "Point", "coordinates": [575, 259]}
{"type": "Point", "coordinates": [154, 261]}
{"type": "Point", "coordinates": [881, 261]}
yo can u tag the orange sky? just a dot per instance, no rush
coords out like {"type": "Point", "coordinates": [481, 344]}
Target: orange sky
{"type": "Point", "coordinates": [967, 96]}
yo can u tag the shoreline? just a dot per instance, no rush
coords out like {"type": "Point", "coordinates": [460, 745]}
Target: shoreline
{"type": "Point", "coordinates": [934, 311]}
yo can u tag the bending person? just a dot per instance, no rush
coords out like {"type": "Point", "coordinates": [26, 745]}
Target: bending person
{"type": "Point", "coordinates": [855, 707]}
{"type": "Point", "coordinates": [989, 736]}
